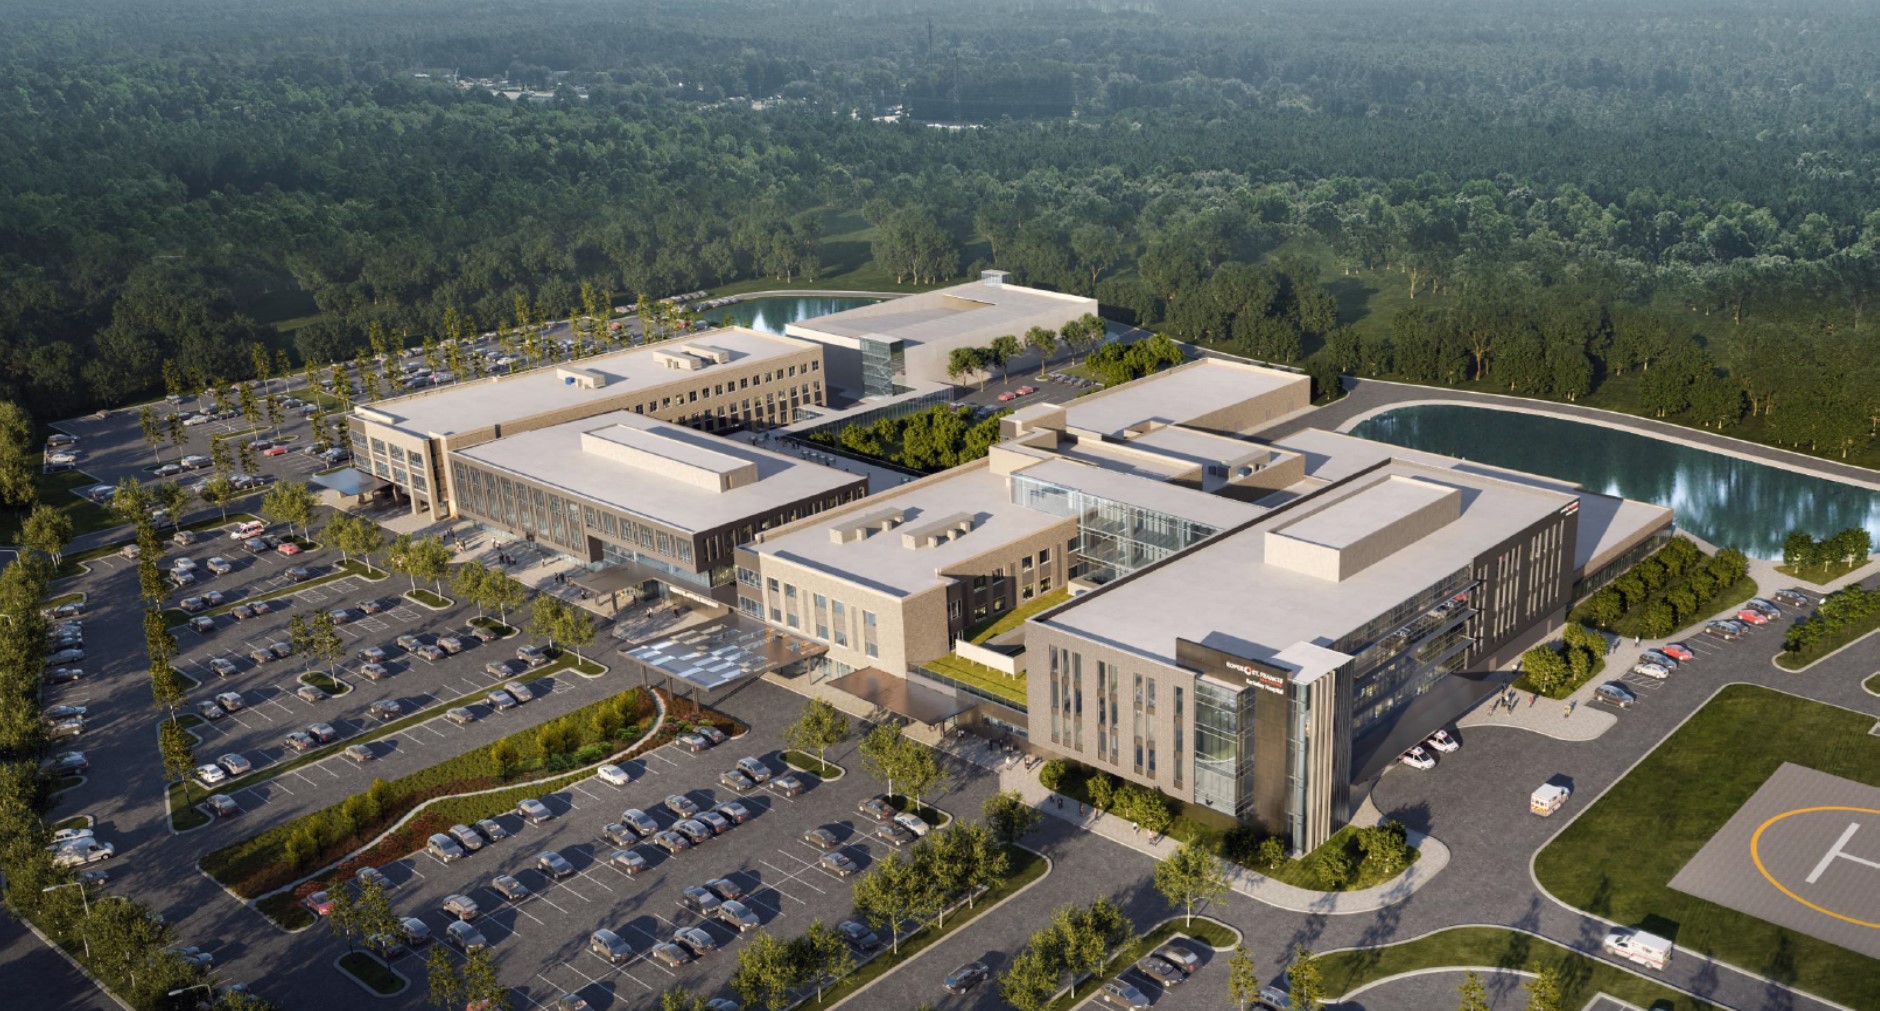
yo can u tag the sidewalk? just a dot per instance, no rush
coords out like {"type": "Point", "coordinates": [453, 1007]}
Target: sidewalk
{"type": "Point", "coordinates": [1245, 882]}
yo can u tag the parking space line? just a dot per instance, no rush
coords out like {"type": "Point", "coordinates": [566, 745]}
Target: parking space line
{"type": "Point", "coordinates": [594, 879]}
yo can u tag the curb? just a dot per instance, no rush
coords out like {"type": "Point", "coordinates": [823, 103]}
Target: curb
{"type": "Point", "coordinates": [1837, 651]}
{"type": "Point", "coordinates": [448, 603]}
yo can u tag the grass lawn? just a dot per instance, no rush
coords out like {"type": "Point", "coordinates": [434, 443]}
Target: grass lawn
{"type": "Point", "coordinates": [325, 683]}
{"type": "Point", "coordinates": [1820, 574]}
{"type": "Point", "coordinates": [373, 973]}
{"type": "Point", "coordinates": [428, 599]}
{"type": "Point", "coordinates": [285, 911]}
{"type": "Point", "coordinates": [502, 631]}
{"type": "Point", "coordinates": [60, 492]}
{"type": "Point", "coordinates": [1213, 933]}
{"type": "Point", "coordinates": [183, 814]}
{"type": "Point", "coordinates": [1581, 977]}
{"type": "Point", "coordinates": [1024, 868]}
{"type": "Point", "coordinates": [1829, 643]}
{"type": "Point", "coordinates": [1303, 872]}
{"type": "Point", "coordinates": [1017, 615]}
{"type": "Point", "coordinates": [75, 821]}
{"type": "Point", "coordinates": [62, 599]}
{"type": "Point", "coordinates": [810, 763]}
{"type": "Point", "coordinates": [996, 683]}
{"type": "Point", "coordinates": [64, 783]}
{"type": "Point", "coordinates": [1679, 796]}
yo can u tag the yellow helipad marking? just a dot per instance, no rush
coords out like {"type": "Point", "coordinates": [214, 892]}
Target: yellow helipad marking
{"type": "Point", "coordinates": [1755, 853]}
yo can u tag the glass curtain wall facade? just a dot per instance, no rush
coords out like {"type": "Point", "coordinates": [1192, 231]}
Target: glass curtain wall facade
{"type": "Point", "coordinates": [883, 362]}
{"type": "Point", "coordinates": [1401, 653]}
{"type": "Point", "coordinates": [1223, 748]}
{"type": "Point", "coordinates": [1114, 538]}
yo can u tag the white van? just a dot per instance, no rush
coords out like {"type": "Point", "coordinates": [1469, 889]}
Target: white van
{"type": "Point", "coordinates": [1548, 799]}
{"type": "Point", "coordinates": [1634, 945]}
{"type": "Point", "coordinates": [252, 528]}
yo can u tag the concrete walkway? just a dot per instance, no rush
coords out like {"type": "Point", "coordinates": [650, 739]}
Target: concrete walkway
{"type": "Point", "coordinates": [1245, 882]}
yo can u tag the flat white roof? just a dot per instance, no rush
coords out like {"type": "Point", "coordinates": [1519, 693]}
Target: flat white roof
{"type": "Point", "coordinates": [468, 406]}
{"type": "Point", "coordinates": [1216, 511]}
{"type": "Point", "coordinates": [946, 313]}
{"type": "Point", "coordinates": [1225, 594]}
{"type": "Point", "coordinates": [1174, 397]}
{"type": "Point", "coordinates": [1359, 515]}
{"type": "Point", "coordinates": [882, 561]}
{"type": "Point", "coordinates": [554, 457]}
{"type": "Point", "coordinates": [1606, 521]}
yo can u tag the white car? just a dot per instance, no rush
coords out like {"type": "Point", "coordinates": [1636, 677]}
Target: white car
{"type": "Point", "coordinates": [1443, 742]}
{"type": "Point", "coordinates": [1417, 758]}
{"type": "Point", "coordinates": [70, 835]}
{"type": "Point", "coordinates": [912, 822]}
{"type": "Point", "coordinates": [210, 775]}
{"type": "Point", "coordinates": [612, 775]}
{"type": "Point", "coordinates": [1652, 670]}
{"type": "Point", "coordinates": [85, 851]}
{"type": "Point", "coordinates": [236, 764]}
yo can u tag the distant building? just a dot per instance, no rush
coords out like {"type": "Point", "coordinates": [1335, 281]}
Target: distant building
{"type": "Point", "coordinates": [877, 350]}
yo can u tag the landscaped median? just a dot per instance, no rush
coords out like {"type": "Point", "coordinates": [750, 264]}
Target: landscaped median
{"type": "Point", "coordinates": [1845, 616]}
{"type": "Point", "coordinates": [803, 762]}
{"type": "Point", "coordinates": [1581, 977]}
{"type": "Point", "coordinates": [393, 818]}
{"type": "Point", "coordinates": [1024, 867]}
{"type": "Point", "coordinates": [183, 817]}
{"type": "Point", "coordinates": [1616, 859]}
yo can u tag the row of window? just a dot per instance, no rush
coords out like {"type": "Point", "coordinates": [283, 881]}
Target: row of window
{"type": "Point", "coordinates": [1065, 671]}
{"type": "Point", "coordinates": [833, 620]}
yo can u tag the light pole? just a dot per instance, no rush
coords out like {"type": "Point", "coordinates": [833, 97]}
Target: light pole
{"type": "Point", "coordinates": [198, 986]}
{"type": "Point", "coordinates": [80, 885]}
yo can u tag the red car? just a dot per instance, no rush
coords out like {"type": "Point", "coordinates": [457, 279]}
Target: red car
{"type": "Point", "coordinates": [1677, 651]}
{"type": "Point", "coordinates": [1752, 616]}
{"type": "Point", "coordinates": [288, 548]}
{"type": "Point", "coordinates": [1008, 395]}
{"type": "Point", "coordinates": [1026, 391]}
{"type": "Point", "coordinates": [275, 451]}
{"type": "Point", "coordinates": [320, 902]}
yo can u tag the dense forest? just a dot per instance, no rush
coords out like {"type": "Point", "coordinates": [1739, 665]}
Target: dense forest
{"type": "Point", "coordinates": [1555, 196]}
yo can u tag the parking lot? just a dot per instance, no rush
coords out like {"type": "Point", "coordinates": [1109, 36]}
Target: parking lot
{"type": "Point", "coordinates": [271, 709]}
{"type": "Point", "coordinates": [541, 941]}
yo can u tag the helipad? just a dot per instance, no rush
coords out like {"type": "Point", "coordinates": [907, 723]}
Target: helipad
{"type": "Point", "coordinates": [1803, 852]}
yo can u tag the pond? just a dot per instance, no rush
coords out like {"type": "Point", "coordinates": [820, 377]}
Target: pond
{"type": "Point", "coordinates": [770, 313]}
{"type": "Point", "coordinates": [1727, 501]}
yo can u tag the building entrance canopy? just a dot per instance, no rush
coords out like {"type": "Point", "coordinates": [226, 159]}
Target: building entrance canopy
{"type": "Point", "coordinates": [350, 481]}
{"type": "Point", "coordinates": [900, 697]}
{"type": "Point", "coordinates": [713, 655]}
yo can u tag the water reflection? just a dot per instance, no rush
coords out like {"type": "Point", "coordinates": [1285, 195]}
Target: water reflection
{"type": "Point", "coordinates": [1722, 499]}
{"type": "Point", "coordinates": [770, 314]}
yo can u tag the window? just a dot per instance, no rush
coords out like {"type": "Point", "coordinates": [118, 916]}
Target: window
{"type": "Point", "coordinates": [839, 615]}
{"type": "Point", "coordinates": [869, 645]}
{"type": "Point", "coordinates": [1044, 556]}
{"type": "Point", "coordinates": [1177, 753]}
{"type": "Point", "coordinates": [789, 606]}
{"type": "Point", "coordinates": [821, 605]}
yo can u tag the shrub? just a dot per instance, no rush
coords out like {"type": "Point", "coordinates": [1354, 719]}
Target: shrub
{"type": "Point", "coordinates": [1102, 790]}
{"type": "Point", "coordinates": [1051, 774]}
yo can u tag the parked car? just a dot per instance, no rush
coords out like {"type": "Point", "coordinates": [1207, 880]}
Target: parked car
{"type": "Point", "coordinates": [319, 903]}
{"type": "Point", "coordinates": [222, 667]}
{"type": "Point", "coordinates": [698, 899]}
{"type": "Point", "coordinates": [521, 693]}
{"type": "Point", "coordinates": [697, 941]}
{"type": "Point", "coordinates": [416, 931]}
{"type": "Point", "coordinates": [299, 574]}
{"type": "Point", "coordinates": [450, 644]}
{"type": "Point", "coordinates": [1160, 971]}
{"type": "Point", "coordinates": [1659, 657]}
{"type": "Point", "coordinates": [893, 835]}
{"type": "Point", "coordinates": [1791, 595]}
{"type": "Point", "coordinates": [208, 710]}
{"type": "Point", "coordinates": [467, 938]}
{"type": "Point", "coordinates": [323, 732]}
{"type": "Point", "coordinates": [639, 821]}
{"type": "Point", "coordinates": [553, 864]}
{"type": "Point", "coordinates": [612, 775]}
{"type": "Point", "coordinates": [53, 714]}
{"type": "Point", "coordinates": [862, 939]}
{"type": "Point", "coordinates": [1721, 630]}
{"type": "Point", "coordinates": [534, 656]}
{"type": "Point", "coordinates": [65, 656]}
{"type": "Point", "coordinates": [877, 807]}
{"type": "Point", "coordinates": [1179, 956]}
{"type": "Point", "coordinates": [466, 837]}
{"type": "Point", "coordinates": [460, 716]}
{"type": "Point", "coordinates": [222, 805]}
{"type": "Point", "coordinates": [429, 651]}
{"type": "Point", "coordinates": [1417, 758]}
{"type": "Point", "coordinates": [1615, 694]}
{"type": "Point", "coordinates": [372, 876]}
{"type": "Point", "coordinates": [1766, 606]}
{"type": "Point", "coordinates": [681, 805]}
{"type": "Point", "coordinates": [693, 742]}
{"type": "Point", "coordinates": [1118, 993]}
{"type": "Point", "coordinates": [711, 733]}
{"type": "Point", "coordinates": [822, 837]}
{"type": "Point", "coordinates": [386, 709]}
{"type": "Point", "coordinates": [912, 822]}
{"type": "Point", "coordinates": [534, 811]}
{"type": "Point", "coordinates": [628, 862]}
{"type": "Point", "coordinates": [359, 753]}
{"type": "Point", "coordinates": [310, 693]}
{"type": "Point", "coordinates": [375, 671]}
{"type": "Point", "coordinates": [609, 946]}
{"type": "Point", "coordinates": [718, 823]}
{"type": "Point", "coordinates": [734, 812]}
{"type": "Point", "coordinates": [1443, 741]}
{"type": "Point", "coordinates": [1678, 651]}
{"type": "Point", "coordinates": [787, 785]}
{"type": "Point", "coordinates": [504, 669]}
{"type": "Point", "coordinates": [463, 907]}
{"type": "Point", "coordinates": [1651, 670]}
{"type": "Point", "coordinates": [220, 566]}
{"type": "Point", "coordinates": [509, 888]}
{"type": "Point", "coordinates": [756, 770]}
{"type": "Point", "coordinates": [372, 606]}
{"type": "Point", "coordinates": [230, 701]}
{"type": "Point", "coordinates": [59, 675]}
{"type": "Point", "coordinates": [492, 830]}
{"type": "Point", "coordinates": [619, 834]}
{"type": "Point", "coordinates": [500, 700]}
{"type": "Point", "coordinates": [672, 842]}
{"type": "Point", "coordinates": [300, 740]}
{"type": "Point", "coordinates": [670, 955]}
{"type": "Point", "coordinates": [738, 916]}
{"type": "Point", "coordinates": [82, 852]}
{"type": "Point", "coordinates": [735, 780]}
{"type": "Point", "coordinates": [1752, 616]}
{"type": "Point", "coordinates": [373, 654]}
{"type": "Point", "coordinates": [236, 764]}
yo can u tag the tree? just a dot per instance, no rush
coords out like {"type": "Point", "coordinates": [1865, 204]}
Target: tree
{"type": "Point", "coordinates": [1305, 983]}
{"type": "Point", "coordinates": [443, 988]}
{"type": "Point", "coordinates": [819, 727]}
{"type": "Point", "coordinates": [1044, 341]}
{"type": "Point", "coordinates": [575, 628]}
{"type": "Point", "coordinates": [344, 919]}
{"type": "Point", "coordinates": [767, 972]}
{"type": "Point", "coordinates": [546, 617]}
{"type": "Point", "coordinates": [471, 582]}
{"type": "Point", "coordinates": [680, 999]}
{"type": "Point", "coordinates": [882, 750]}
{"type": "Point", "coordinates": [324, 641]}
{"type": "Point", "coordinates": [361, 537]}
{"type": "Point", "coordinates": [506, 592]}
{"type": "Point", "coordinates": [289, 502]}
{"type": "Point", "coordinates": [1190, 876]}
{"type": "Point", "coordinates": [895, 890]}
{"type": "Point", "coordinates": [1243, 978]}
{"type": "Point", "coordinates": [378, 923]}
{"type": "Point", "coordinates": [16, 455]}
{"type": "Point", "coordinates": [1544, 991]}
{"type": "Point", "coordinates": [178, 749]}
{"type": "Point", "coordinates": [1474, 994]}
{"type": "Point", "coordinates": [963, 362]}
{"type": "Point", "coordinates": [153, 432]}
{"type": "Point", "coordinates": [428, 559]}
{"type": "Point", "coordinates": [481, 983]}
{"type": "Point", "coordinates": [47, 531]}
{"type": "Point", "coordinates": [822, 955]}
{"type": "Point", "coordinates": [920, 771]}
{"type": "Point", "coordinates": [1002, 350]}
{"type": "Point", "coordinates": [1031, 977]}
{"type": "Point", "coordinates": [220, 492]}
{"type": "Point", "coordinates": [1009, 817]}
{"type": "Point", "coordinates": [166, 687]}
{"type": "Point", "coordinates": [130, 503]}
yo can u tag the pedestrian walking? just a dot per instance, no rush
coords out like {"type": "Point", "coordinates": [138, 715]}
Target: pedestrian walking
{"type": "Point", "coordinates": [1566, 710]}
{"type": "Point", "coordinates": [1081, 810]}
{"type": "Point", "coordinates": [1635, 640]}
{"type": "Point", "coordinates": [1533, 699]}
